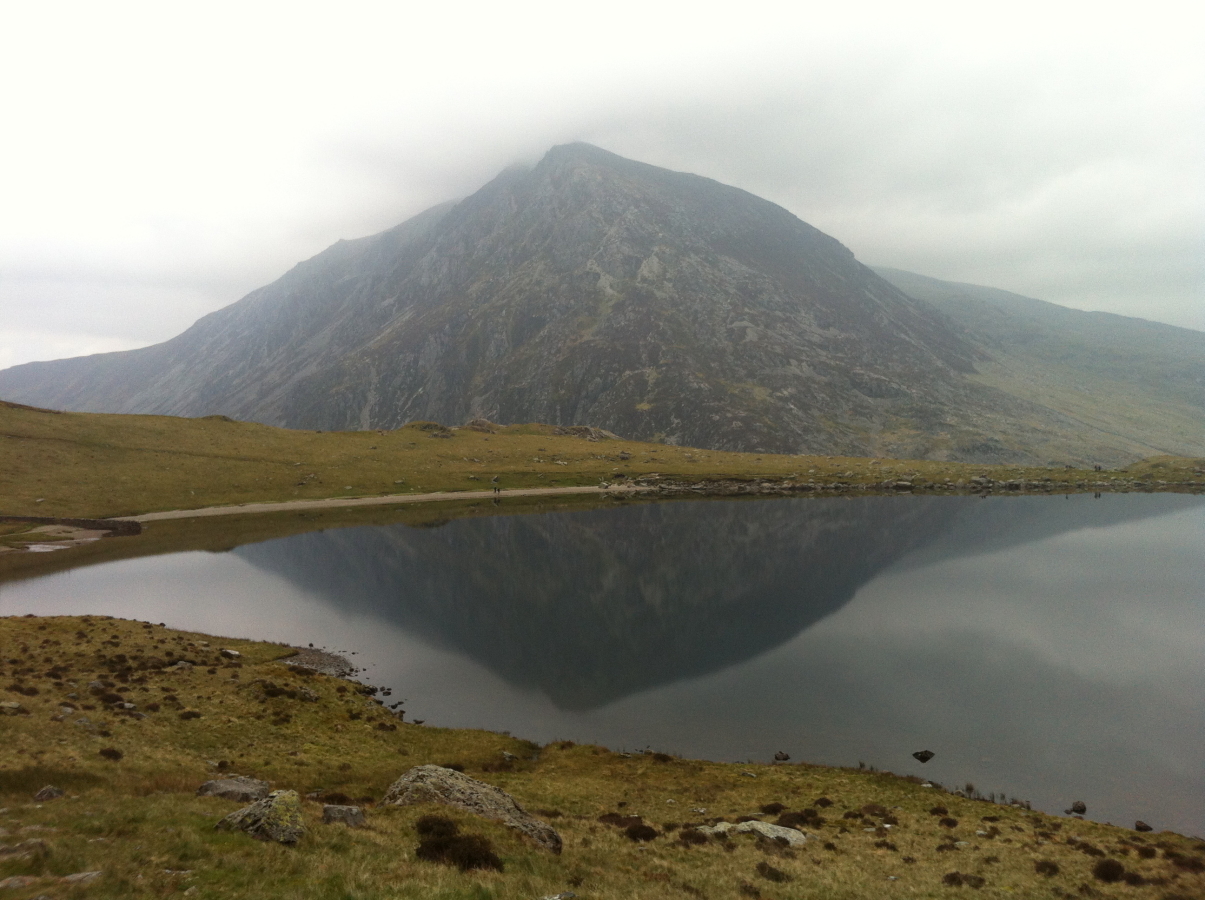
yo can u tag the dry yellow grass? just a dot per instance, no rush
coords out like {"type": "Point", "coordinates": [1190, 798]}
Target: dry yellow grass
{"type": "Point", "coordinates": [138, 822]}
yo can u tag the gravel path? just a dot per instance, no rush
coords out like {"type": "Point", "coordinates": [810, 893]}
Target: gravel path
{"type": "Point", "coordinates": [390, 500]}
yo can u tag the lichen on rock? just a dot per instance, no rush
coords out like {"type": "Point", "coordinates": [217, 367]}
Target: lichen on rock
{"type": "Point", "coordinates": [275, 818]}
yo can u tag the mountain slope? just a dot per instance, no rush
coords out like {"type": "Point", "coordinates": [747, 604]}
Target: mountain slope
{"type": "Point", "coordinates": [1143, 383]}
{"type": "Point", "coordinates": [591, 289]}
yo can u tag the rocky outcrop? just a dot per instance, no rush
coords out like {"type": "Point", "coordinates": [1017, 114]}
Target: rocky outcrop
{"type": "Point", "coordinates": [435, 784]}
{"type": "Point", "coordinates": [235, 787]}
{"type": "Point", "coordinates": [275, 818]}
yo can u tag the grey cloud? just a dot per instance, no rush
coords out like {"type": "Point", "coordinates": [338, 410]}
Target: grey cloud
{"type": "Point", "coordinates": [1070, 176]}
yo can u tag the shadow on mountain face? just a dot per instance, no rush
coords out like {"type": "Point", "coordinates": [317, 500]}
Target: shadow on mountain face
{"type": "Point", "coordinates": [589, 607]}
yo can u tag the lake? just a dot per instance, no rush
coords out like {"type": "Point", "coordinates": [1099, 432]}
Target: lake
{"type": "Point", "coordinates": [1045, 648]}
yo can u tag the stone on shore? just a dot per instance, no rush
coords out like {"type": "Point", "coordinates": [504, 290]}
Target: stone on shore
{"type": "Point", "coordinates": [435, 784]}
{"type": "Point", "coordinates": [235, 787]}
{"type": "Point", "coordinates": [275, 818]}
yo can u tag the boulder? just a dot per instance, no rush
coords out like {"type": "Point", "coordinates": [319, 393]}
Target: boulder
{"type": "Point", "coordinates": [793, 836]}
{"type": "Point", "coordinates": [50, 792]}
{"type": "Point", "coordinates": [12, 708]}
{"type": "Point", "coordinates": [435, 784]}
{"type": "Point", "coordinates": [235, 787]}
{"type": "Point", "coordinates": [275, 818]}
{"type": "Point", "coordinates": [351, 816]}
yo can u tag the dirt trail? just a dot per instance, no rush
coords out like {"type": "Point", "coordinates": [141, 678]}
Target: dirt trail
{"type": "Point", "coordinates": [389, 500]}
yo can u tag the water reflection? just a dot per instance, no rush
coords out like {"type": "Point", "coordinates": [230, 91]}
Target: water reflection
{"type": "Point", "coordinates": [592, 607]}
{"type": "Point", "coordinates": [1044, 647]}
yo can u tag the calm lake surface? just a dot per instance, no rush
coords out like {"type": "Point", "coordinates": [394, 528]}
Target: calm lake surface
{"type": "Point", "coordinates": [1046, 648]}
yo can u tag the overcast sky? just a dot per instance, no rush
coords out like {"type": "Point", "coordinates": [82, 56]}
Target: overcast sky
{"type": "Point", "coordinates": [158, 161]}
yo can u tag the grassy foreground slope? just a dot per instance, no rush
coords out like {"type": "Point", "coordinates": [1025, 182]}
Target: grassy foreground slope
{"type": "Point", "coordinates": [98, 465]}
{"type": "Point", "coordinates": [131, 814]}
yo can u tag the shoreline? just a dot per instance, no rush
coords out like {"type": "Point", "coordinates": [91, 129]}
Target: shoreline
{"type": "Point", "coordinates": [660, 485]}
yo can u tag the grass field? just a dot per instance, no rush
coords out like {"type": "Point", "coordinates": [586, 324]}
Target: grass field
{"type": "Point", "coordinates": [130, 811]}
{"type": "Point", "coordinates": [95, 465]}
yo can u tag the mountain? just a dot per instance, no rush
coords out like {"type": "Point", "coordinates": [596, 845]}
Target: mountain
{"type": "Point", "coordinates": [592, 289]}
{"type": "Point", "coordinates": [1140, 382]}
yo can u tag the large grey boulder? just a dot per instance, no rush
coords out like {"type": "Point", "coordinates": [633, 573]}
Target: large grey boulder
{"type": "Point", "coordinates": [435, 784]}
{"type": "Point", "coordinates": [275, 818]}
{"type": "Point", "coordinates": [235, 787]}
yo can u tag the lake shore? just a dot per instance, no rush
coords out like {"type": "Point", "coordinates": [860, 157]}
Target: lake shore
{"type": "Point", "coordinates": [189, 706]}
{"type": "Point", "coordinates": [99, 466]}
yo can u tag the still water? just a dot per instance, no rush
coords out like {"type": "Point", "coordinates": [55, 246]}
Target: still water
{"type": "Point", "coordinates": [1046, 648]}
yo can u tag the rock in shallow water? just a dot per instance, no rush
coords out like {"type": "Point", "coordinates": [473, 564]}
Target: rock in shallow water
{"type": "Point", "coordinates": [435, 784]}
{"type": "Point", "coordinates": [275, 818]}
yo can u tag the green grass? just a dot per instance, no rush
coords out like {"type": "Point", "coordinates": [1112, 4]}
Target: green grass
{"type": "Point", "coordinates": [139, 822]}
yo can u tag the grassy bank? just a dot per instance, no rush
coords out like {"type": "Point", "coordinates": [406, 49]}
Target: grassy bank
{"type": "Point", "coordinates": [94, 465]}
{"type": "Point", "coordinates": [130, 811]}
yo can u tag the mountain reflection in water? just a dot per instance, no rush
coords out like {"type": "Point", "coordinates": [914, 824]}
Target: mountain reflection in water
{"type": "Point", "coordinates": [589, 607]}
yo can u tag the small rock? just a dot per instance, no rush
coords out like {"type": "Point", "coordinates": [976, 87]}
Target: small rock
{"type": "Point", "coordinates": [12, 708]}
{"type": "Point", "coordinates": [351, 816]}
{"type": "Point", "coordinates": [235, 787]}
{"type": "Point", "coordinates": [275, 818]}
{"type": "Point", "coordinates": [50, 792]}
{"type": "Point", "coordinates": [923, 756]}
{"type": "Point", "coordinates": [1142, 826]}
{"type": "Point", "coordinates": [792, 836]}
{"type": "Point", "coordinates": [563, 895]}
{"type": "Point", "coordinates": [80, 877]}
{"type": "Point", "coordinates": [16, 881]}
{"type": "Point", "coordinates": [436, 784]}
{"type": "Point", "coordinates": [1078, 808]}
{"type": "Point", "coordinates": [781, 757]}
{"type": "Point", "coordinates": [230, 654]}
{"type": "Point", "coordinates": [24, 850]}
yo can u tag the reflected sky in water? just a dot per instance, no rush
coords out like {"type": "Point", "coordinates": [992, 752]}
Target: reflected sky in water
{"type": "Point", "coordinates": [1047, 648]}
